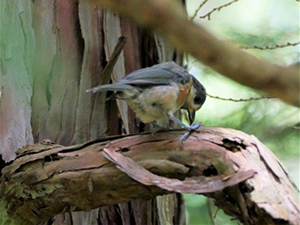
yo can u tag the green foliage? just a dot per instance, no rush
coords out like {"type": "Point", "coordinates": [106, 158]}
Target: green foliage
{"type": "Point", "coordinates": [198, 212]}
{"type": "Point", "coordinates": [249, 23]}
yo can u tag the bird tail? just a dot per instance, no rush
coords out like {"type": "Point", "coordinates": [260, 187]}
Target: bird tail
{"type": "Point", "coordinates": [110, 87]}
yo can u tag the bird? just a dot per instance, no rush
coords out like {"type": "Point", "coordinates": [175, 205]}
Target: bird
{"type": "Point", "coordinates": [159, 91]}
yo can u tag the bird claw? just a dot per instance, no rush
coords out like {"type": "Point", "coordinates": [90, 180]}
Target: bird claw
{"type": "Point", "coordinates": [184, 137]}
{"type": "Point", "coordinates": [193, 127]}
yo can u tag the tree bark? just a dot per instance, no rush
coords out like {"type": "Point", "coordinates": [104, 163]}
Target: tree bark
{"type": "Point", "coordinates": [169, 18]}
{"type": "Point", "coordinates": [51, 52]}
{"type": "Point", "coordinates": [46, 178]}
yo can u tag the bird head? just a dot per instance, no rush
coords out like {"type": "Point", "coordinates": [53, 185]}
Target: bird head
{"type": "Point", "coordinates": [195, 99]}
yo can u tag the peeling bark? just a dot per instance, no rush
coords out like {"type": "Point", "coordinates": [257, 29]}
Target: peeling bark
{"type": "Point", "coordinates": [51, 52]}
{"type": "Point", "coordinates": [46, 178]}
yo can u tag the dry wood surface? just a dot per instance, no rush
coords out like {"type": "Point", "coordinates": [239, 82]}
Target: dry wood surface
{"type": "Point", "coordinates": [243, 176]}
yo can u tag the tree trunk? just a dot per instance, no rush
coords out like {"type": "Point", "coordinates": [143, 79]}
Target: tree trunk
{"type": "Point", "coordinates": [52, 51]}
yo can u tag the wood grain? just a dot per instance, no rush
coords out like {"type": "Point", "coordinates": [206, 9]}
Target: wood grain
{"type": "Point", "coordinates": [47, 179]}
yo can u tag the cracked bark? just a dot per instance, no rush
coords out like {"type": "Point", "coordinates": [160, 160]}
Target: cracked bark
{"type": "Point", "coordinates": [53, 50]}
{"type": "Point", "coordinates": [46, 178]}
{"type": "Point", "coordinates": [43, 96]}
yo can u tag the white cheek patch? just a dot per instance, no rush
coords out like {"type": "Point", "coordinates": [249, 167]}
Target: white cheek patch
{"type": "Point", "coordinates": [198, 107]}
{"type": "Point", "coordinates": [190, 100]}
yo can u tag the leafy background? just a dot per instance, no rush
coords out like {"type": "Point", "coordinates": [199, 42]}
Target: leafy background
{"type": "Point", "coordinates": [248, 23]}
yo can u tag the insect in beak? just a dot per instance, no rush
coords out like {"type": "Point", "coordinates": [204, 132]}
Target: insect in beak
{"type": "Point", "coordinates": [192, 114]}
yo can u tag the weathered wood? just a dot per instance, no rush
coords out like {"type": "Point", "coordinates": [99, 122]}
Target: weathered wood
{"type": "Point", "coordinates": [51, 52]}
{"type": "Point", "coordinates": [17, 48]}
{"type": "Point", "coordinates": [46, 179]}
{"type": "Point", "coordinates": [195, 184]}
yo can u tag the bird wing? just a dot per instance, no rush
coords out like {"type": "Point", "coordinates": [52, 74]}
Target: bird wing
{"type": "Point", "coordinates": [111, 87]}
{"type": "Point", "coordinates": [161, 74]}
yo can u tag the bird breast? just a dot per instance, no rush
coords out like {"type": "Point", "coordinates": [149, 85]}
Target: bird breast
{"type": "Point", "coordinates": [154, 103]}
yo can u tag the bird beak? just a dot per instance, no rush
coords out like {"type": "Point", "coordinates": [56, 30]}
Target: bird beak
{"type": "Point", "coordinates": [192, 114]}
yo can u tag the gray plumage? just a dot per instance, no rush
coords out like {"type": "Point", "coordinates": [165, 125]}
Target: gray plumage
{"type": "Point", "coordinates": [158, 91]}
{"type": "Point", "coordinates": [161, 74]}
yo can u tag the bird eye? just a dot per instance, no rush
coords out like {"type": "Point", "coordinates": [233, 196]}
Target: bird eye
{"type": "Point", "coordinates": [197, 99]}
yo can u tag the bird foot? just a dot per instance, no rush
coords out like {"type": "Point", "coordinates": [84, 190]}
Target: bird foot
{"type": "Point", "coordinates": [195, 126]}
{"type": "Point", "coordinates": [192, 128]}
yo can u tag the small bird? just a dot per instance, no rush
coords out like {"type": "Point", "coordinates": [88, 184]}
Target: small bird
{"type": "Point", "coordinates": [159, 91]}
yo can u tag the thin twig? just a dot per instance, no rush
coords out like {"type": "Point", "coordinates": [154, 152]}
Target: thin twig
{"type": "Point", "coordinates": [200, 6]}
{"type": "Point", "coordinates": [217, 9]}
{"type": "Point", "coordinates": [239, 100]}
{"type": "Point", "coordinates": [187, 64]}
{"type": "Point", "coordinates": [271, 47]}
{"type": "Point", "coordinates": [216, 212]}
{"type": "Point", "coordinates": [211, 216]}
{"type": "Point", "coordinates": [106, 72]}
{"type": "Point", "coordinates": [113, 59]}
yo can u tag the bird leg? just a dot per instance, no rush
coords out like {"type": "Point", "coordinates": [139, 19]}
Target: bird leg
{"type": "Point", "coordinates": [154, 127]}
{"type": "Point", "coordinates": [193, 127]}
{"type": "Point", "coordinates": [190, 129]}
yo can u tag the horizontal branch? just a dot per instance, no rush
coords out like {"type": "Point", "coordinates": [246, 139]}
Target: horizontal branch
{"type": "Point", "coordinates": [168, 18]}
{"type": "Point", "coordinates": [289, 44]}
{"type": "Point", "coordinates": [238, 100]}
{"type": "Point", "coordinates": [46, 179]}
